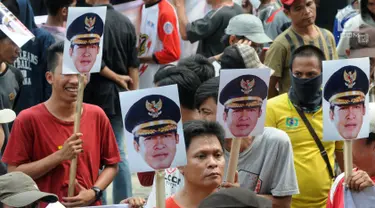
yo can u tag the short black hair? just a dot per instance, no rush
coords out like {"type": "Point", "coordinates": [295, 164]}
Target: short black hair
{"type": "Point", "coordinates": [196, 128]}
{"type": "Point", "coordinates": [370, 139]}
{"type": "Point", "coordinates": [53, 6]}
{"type": "Point", "coordinates": [308, 51]}
{"type": "Point", "coordinates": [200, 65]}
{"type": "Point", "coordinates": [12, 6]}
{"type": "Point", "coordinates": [2, 35]}
{"type": "Point", "coordinates": [208, 89]}
{"type": "Point", "coordinates": [52, 55]}
{"type": "Point", "coordinates": [186, 80]}
{"type": "Point", "coordinates": [287, 7]}
{"type": "Point", "coordinates": [225, 39]}
{"type": "Point", "coordinates": [232, 59]}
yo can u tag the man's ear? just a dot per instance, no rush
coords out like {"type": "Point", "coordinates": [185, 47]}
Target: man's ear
{"type": "Point", "coordinates": [49, 77]}
{"type": "Point", "coordinates": [232, 39]}
{"type": "Point", "coordinates": [136, 146]}
{"type": "Point", "coordinates": [331, 115]}
{"type": "Point", "coordinates": [260, 112]}
{"type": "Point", "coordinates": [225, 116]}
{"type": "Point", "coordinates": [287, 13]}
{"type": "Point", "coordinates": [64, 12]}
{"type": "Point", "coordinates": [70, 51]}
{"type": "Point", "coordinates": [181, 169]}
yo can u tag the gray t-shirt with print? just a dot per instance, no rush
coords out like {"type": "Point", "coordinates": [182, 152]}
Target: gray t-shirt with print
{"type": "Point", "coordinates": [267, 166]}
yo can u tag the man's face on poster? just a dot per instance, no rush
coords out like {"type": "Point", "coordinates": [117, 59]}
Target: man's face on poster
{"type": "Point", "coordinates": [242, 121]}
{"type": "Point", "coordinates": [84, 56]}
{"type": "Point", "coordinates": [158, 151]}
{"type": "Point", "coordinates": [348, 119]}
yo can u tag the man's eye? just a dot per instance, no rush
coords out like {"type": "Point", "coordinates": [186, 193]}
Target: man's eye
{"type": "Point", "coordinates": [218, 155]}
{"type": "Point", "coordinates": [207, 112]}
{"type": "Point", "coordinates": [201, 156]}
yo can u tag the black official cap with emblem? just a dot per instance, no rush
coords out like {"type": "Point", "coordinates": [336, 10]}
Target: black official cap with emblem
{"type": "Point", "coordinates": [246, 91]}
{"type": "Point", "coordinates": [86, 29]}
{"type": "Point", "coordinates": [347, 86]}
{"type": "Point", "coordinates": [152, 115]}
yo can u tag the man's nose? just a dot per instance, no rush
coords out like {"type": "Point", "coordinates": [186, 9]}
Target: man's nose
{"type": "Point", "coordinates": [86, 51]}
{"type": "Point", "coordinates": [212, 162]}
{"type": "Point", "coordinates": [18, 50]}
{"type": "Point", "coordinates": [351, 114]}
{"type": "Point", "coordinates": [244, 113]}
{"type": "Point", "coordinates": [73, 78]}
{"type": "Point", "coordinates": [159, 142]}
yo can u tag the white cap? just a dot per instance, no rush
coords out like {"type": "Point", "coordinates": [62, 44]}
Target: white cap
{"type": "Point", "coordinates": [249, 26]}
{"type": "Point", "coordinates": [7, 115]}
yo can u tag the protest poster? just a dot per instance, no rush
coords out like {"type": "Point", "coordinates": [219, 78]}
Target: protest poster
{"type": "Point", "coordinates": [84, 40]}
{"type": "Point", "coordinates": [345, 93]}
{"type": "Point", "coordinates": [153, 129]}
{"type": "Point", "coordinates": [14, 28]}
{"type": "Point", "coordinates": [241, 109]}
{"type": "Point", "coordinates": [242, 101]}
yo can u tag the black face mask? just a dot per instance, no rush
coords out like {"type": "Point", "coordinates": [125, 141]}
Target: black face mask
{"type": "Point", "coordinates": [306, 93]}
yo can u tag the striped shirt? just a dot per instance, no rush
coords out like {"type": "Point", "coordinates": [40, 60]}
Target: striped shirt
{"type": "Point", "coordinates": [279, 54]}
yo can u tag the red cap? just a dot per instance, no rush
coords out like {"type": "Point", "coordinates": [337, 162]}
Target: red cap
{"type": "Point", "coordinates": [287, 2]}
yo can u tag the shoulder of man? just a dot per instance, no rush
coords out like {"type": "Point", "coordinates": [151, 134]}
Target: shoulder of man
{"type": "Point", "coordinates": [278, 100]}
{"type": "Point", "coordinates": [94, 111]}
{"type": "Point", "coordinates": [276, 136]}
{"type": "Point", "coordinates": [281, 39]}
{"type": "Point", "coordinates": [328, 33]}
{"type": "Point", "coordinates": [43, 36]}
{"type": "Point", "coordinates": [17, 73]}
{"type": "Point", "coordinates": [31, 113]}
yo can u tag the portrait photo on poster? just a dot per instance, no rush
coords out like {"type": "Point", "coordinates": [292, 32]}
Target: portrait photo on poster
{"type": "Point", "coordinates": [153, 128]}
{"type": "Point", "coordinates": [84, 40]}
{"type": "Point", "coordinates": [242, 102]}
{"type": "Point", "coordinates": [13, 28]}
{"type": "Point", "coordinates": [345, 99]}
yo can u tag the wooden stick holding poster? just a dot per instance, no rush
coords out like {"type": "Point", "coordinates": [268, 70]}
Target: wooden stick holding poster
{"type": "Point", "coordinates": [160, 189]}
{"type": "Point", "coordinates": [242, 97]}
{"type": "Point", "coordinates": [233, 160]}
{"type": "Point", "coordinates": [82, 55]}
{"type": "Point", "coordinates": [348, 159]}
{"type": "Point", "coordinates": [77, 122]}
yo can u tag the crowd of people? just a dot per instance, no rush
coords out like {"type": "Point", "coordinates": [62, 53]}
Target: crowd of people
{"type": "Point", "coordinates": [287, 165]}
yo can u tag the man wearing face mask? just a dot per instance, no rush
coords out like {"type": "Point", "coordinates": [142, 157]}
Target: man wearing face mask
{"type": "Point", "coordinates": [299, 113]}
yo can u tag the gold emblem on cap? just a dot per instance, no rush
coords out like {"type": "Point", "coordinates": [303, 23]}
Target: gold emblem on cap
{"type": "Point", "coordinates": [90, 22]}
{"type": "Point", "coordinates": [247, 86]}
{"type": "Point", "coordinates": [350, 78]}
{"type": "Point", "coordinates": [154, 109]}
